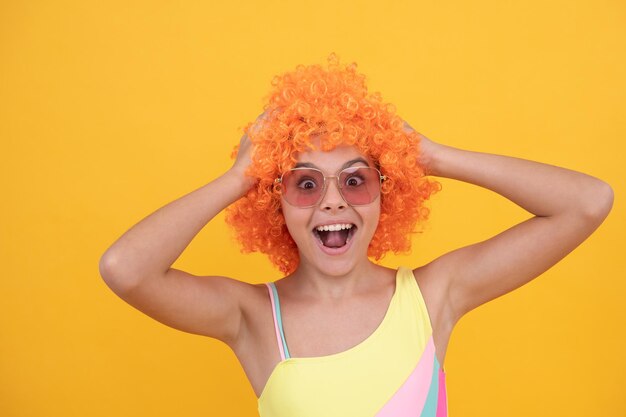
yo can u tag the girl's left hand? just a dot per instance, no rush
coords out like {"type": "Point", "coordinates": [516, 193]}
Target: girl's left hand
{"type": "Point", "coordinates": [427, 149]}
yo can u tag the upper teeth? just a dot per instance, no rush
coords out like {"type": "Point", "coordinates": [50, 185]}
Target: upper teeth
{"type": "Point", "coordinates": [333, 227]}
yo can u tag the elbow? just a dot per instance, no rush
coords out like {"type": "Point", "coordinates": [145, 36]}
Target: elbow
{"type": "Point", "coordinates": [106, 266]}
{"type": "Point", "coordinates": [600, 202]}
{"type": "Point", "coordinates": [109, 271]}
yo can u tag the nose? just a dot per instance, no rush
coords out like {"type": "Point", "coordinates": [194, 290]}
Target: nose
{"type": "Point", "coordinates": [332, 199]}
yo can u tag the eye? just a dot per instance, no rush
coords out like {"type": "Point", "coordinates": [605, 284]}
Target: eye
{"type": "Point", "coordinates": [307, 184]}
{"type": "Point", "coordinates": [354, 180]}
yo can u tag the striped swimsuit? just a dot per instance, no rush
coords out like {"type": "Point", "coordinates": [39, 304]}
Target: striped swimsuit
{"type": "Point", "coordinates": [392, 373]}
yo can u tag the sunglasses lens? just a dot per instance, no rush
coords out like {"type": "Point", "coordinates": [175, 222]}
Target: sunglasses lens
{"type": "Point", "coordinates": [303, 187]}
{"type": "Point", "coordinates": [359, 185]}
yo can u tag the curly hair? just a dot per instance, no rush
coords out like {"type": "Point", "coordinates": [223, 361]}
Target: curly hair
{"type": "Point", "coordinates": [309, 101]}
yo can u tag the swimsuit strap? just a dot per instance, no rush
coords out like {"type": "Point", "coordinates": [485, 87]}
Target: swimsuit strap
{"type": "Point", "coordinates": [278, 322]}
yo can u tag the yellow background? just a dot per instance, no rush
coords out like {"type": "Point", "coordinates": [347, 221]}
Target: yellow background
{"type": "Point", "coordinates": [110, 110]}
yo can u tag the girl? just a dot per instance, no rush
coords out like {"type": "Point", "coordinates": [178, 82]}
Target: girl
{"type": "Point", "coordinates": [325, 179]}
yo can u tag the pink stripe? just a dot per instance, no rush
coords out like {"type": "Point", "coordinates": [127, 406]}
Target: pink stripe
{"type": "Point", "coordinates": [410, 398]}
{"type": "Point", "coordinates": [278, 338]}
{"type": "Point", "coordinates": [442, 403]}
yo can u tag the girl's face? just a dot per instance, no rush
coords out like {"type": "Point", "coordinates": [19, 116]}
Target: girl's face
{"type": "Point", "coordinates": [332, 252]}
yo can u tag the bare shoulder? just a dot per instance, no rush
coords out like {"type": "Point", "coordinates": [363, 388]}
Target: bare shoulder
{"type": "Point", "coordinates": [434, 284]}
{"type": "Point", "coordinates": [251, 300]}
{"type": "Point", "coordinates": [255, 306]}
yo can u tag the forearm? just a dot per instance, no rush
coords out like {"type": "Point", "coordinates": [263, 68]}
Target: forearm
{"type": "Point", "coordinates": [151, 246]}
{"type": "Point", "coordinates": [542, 189]}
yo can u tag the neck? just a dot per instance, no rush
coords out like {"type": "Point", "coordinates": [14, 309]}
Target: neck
{"type": "Point", "coordinates": [311, 281]}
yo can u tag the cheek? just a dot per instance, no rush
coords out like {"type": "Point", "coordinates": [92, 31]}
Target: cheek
{"type": "Point", "coordinates": [373, 217]}
{"type": "Point", "coordinates": [295, 220]}
{"type": "Point", "coordinates": [373, 211]}
{"type": "Point", "coordinates": [375, 220]}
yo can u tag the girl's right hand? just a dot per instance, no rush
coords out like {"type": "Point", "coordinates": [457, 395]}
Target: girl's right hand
{"type": "Point", "coordinates": [244, 155]}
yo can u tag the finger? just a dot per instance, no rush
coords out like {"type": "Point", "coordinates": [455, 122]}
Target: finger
{"type": "Point", "coordinates": [407, 127]}
{"type": "Point", "coordinates": [258, 122]}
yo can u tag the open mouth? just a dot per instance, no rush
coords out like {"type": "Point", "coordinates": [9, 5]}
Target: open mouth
{"type": "Point", "coordinates": [336, 235]}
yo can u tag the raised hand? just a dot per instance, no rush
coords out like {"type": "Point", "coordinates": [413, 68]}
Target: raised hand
{"type": "Point", "coordinates": [427, 150]}
{"type": "Point", "coordinates": [244, 153]}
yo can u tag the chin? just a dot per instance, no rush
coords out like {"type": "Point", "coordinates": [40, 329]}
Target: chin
{"type": "Point", "coordinates": [336, 266]}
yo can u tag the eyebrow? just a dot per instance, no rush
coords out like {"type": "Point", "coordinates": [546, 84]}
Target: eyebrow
{"type": "Point", "coordinates": [344, 166]}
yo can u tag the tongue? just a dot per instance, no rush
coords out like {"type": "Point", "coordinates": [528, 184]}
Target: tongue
{"type": "Point", "coordinates": [334, 239]}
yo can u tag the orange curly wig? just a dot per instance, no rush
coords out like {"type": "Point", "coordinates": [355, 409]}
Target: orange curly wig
{"type": "Point", "coordinates": [313, 100]}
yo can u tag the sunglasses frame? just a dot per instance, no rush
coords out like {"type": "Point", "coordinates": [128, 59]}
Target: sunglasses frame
{"type": "Point", "coordinates": [381, 178]}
